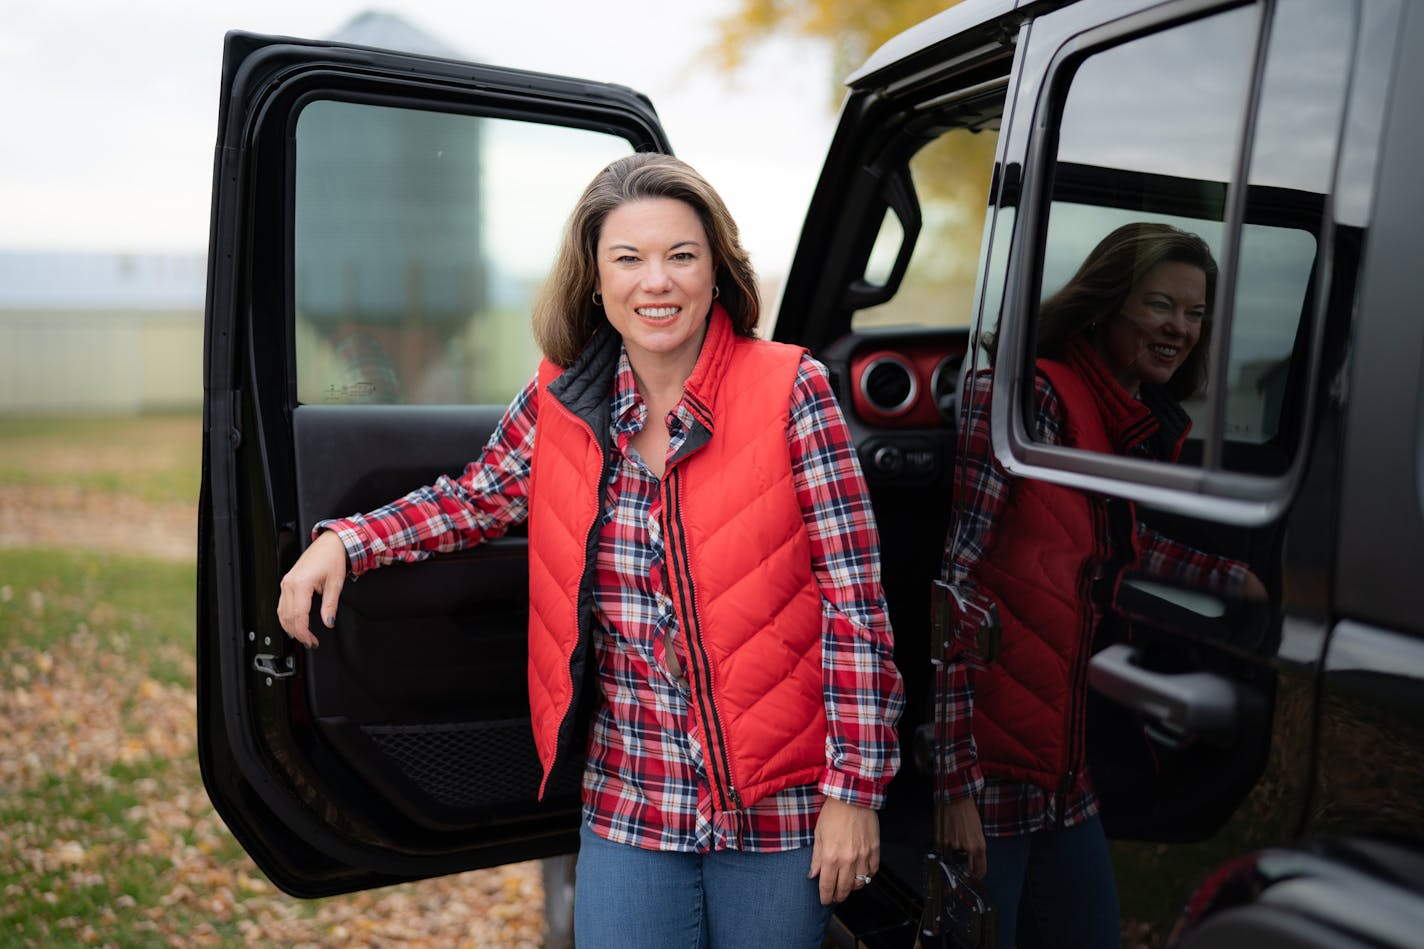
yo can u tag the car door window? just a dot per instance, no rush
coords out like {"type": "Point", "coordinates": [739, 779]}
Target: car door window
{"type": "Point", "coordinates": [419, 245]}
{"type": "Point", "coordinates": [380, 223]}
{"type": "Point", "coordinates": [1148, 132]}
{"type": "Point", "coordinates": [1197, 123]}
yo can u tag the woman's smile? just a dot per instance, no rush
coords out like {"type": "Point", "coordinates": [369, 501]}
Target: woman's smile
{"type": "Point", "coordinates": [656, 277]}
{"type": "Point", "coordinates": [1160, 322]}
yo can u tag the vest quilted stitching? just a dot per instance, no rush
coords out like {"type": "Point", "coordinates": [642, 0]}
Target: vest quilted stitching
{"type": "Point", "coordinates": [757, 602]}
{"type": "Point", "coordinates": [1040, 567]}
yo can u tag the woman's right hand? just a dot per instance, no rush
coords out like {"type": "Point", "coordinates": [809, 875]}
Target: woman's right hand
{"type": "Point", "coordinates": [959, 828]}
{"type": "Point", "coordinates": [321, 569]}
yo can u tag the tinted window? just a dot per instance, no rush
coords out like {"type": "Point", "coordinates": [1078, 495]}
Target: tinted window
{"type": "Point", "coordinates": [1151, 130]}
{"type": "Point", "coordinates": [421, 239]}
{"type": "Point", "coordinates": [1148, 132]}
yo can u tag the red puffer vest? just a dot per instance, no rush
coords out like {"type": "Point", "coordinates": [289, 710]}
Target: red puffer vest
{"type": "Point", "coordinates": [1047, 553]}
{"type": "Point", "coordinates": [738, 561]}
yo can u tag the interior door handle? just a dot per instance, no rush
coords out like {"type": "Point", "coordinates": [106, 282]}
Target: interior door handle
{"type": "Point", "coordinates": [1199, 703]}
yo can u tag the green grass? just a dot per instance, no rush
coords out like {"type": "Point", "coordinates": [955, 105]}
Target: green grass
{"type": "Point", "coordinates": [109, 839]}
{"type": "Point", "coordinates": [52, 592]}
{"type": "Point", "coordinates": [83, 859]}
{"type": "Point", "coordinates": [101, 808]}
{"type": "Point", "coordinates": [154, 458]}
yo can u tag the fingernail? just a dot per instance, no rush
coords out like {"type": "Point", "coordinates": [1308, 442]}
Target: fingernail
{"type": "Point", "coordinates": [328, 620]}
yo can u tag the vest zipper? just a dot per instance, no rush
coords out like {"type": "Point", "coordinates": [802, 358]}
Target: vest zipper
{"type": "Point", "coordinates": [589, 540]}
{"type": "Point", "coordinates": [1078, 683]}
{"type": "Point", "coordinates": [699, 662]}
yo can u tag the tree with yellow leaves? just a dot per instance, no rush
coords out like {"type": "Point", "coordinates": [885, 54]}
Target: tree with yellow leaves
{"type": "Point", "coordinates": [951, 174]}
{"type": "Point", "coordinates": [853, 28]}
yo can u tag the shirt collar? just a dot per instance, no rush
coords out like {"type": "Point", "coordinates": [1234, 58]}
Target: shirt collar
{"type": "Point", "coordinates": [626, 410]}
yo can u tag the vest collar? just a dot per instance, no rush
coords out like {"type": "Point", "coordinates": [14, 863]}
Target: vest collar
{"type": "Point", "coordinates": [587, 384]}
{"type": "Point", "coordinates": [699, 393]}
{"type": "Point", "coordinates": [584, 386]}
{"type": "Point", "coordinates": [1154, 424]}
{"type": "Point", "coordinates": [1128, 421]}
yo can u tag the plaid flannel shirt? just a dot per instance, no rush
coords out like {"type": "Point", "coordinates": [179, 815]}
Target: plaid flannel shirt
{"type": "Point", "coordinates": [645, 782]}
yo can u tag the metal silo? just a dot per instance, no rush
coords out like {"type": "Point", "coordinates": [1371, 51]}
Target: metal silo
{"type": "Point", "coordinates": [389, 259]}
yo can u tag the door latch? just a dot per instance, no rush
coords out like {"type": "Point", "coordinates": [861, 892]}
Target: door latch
{"type": "Point", "coordinates": [266, 663]}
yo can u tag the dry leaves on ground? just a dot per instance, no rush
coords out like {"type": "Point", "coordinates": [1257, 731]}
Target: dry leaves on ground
{"type": "Point", "coordinates": [91, 723]}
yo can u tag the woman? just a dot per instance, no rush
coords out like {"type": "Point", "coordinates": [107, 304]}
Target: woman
{"type": "Point", "coordinates": [1118, 347]}
{"type": "Point", "coordinates": [700, 532]}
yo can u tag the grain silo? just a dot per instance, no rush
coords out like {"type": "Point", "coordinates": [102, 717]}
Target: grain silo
{"type": "Point", "coordinates": [389, 264]}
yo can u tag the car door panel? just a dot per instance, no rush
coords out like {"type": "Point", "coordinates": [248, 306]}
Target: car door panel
{"type": "Point", "coordinates": [401, 747]}
{"type": "Point", "coordinates": [420, 685]}
{"type": "Point", "coordinates": [1201, 726]}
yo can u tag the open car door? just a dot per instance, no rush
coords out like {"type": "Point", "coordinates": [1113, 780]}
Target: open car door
{"type": "Point", "coordinates": [380, 221]}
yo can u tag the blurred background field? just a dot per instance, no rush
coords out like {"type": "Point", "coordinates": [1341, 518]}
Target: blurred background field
{"type": "Point", "coordinates": [106, 835]}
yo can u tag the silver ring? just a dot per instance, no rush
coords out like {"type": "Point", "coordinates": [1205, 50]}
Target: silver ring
{"type": "Point", "coordinates": [863, 879]}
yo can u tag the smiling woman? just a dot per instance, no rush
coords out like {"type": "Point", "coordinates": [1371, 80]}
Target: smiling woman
{"type": "Point", "coordinates": [1142, 298]}
{"type": "Point", "coordinates": [1117, 347]}
{"type": "Point", "coordinates": [1158, 326]}
{"type": "Point", "coordinates": [656, 281]}
{"type": "Point", "coordinates": [701, 550]}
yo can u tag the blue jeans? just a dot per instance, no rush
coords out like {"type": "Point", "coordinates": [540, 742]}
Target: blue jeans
{"type": "Point", "coordinates": [630, 898]}
{"type": "Point", "coordinates": [1054, 888]}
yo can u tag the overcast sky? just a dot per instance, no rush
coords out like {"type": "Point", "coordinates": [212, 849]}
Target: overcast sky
{"type": "Point", "coordinates": [109, 110]}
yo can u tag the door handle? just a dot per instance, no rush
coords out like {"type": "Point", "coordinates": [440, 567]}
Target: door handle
{"type": "Point", "coordinates": [1200, 703]}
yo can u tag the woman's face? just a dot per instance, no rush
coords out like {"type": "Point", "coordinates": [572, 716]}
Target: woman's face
{"type": "Point", "coordinates": [1157, 327]}
{"type": "Point", "coordinates": [655, 272]}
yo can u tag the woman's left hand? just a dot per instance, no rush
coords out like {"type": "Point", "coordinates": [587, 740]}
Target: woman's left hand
{"type": "Point", "coordinates": [847, 846]}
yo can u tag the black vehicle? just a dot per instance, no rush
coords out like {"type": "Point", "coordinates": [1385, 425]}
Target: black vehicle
{"type": "Point", "coordinates": [1261, 765]}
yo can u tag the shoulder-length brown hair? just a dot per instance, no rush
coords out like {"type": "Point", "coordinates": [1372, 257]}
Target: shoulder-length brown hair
{"type": "Point", "coordinates": [1099, 290]}
{"type": "Point", "coordinates": [565, 316]}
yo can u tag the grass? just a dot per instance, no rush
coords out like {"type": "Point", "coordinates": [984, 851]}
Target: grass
{"type": "Point", "coordinates": [103, 822]}
{"type": "Point", "coordinates": [107, 837]}
{"type": "Point", "coordinates": [146, 600]}
{"type": "Point", "coordinates": [103, 817]}
{"type": "Point", "coordinates": [92, 869]}
{"type": "Point", "coordinates": [154, 458]}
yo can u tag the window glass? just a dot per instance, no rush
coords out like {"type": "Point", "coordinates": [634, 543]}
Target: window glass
{"type": "Point", "coordinates": [421, 239]}
{"type": "Point", "coordinates": [1150, 133]}
{"type": "Point", "coordinates": [951, 175]}
{"type": "Point", "coordinates": [882, 254]}
{"type": "Point", "coordinates": [1291, 169]}
{"type": "Point", "coordinates": [1149, 136]}
{"type": "Point", "coordinates": [1273, 276]}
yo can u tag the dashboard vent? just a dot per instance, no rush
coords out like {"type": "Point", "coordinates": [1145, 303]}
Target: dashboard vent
{"type": "Point", "coordinates": [888, 384]}
{"type": "Point", "coordinates": [944, 385]}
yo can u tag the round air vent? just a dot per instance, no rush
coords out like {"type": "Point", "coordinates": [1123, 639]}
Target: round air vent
{"type": "Point", "coordinates": [944, 385]}
{"type": "Point", "coordinates": [888, 384]}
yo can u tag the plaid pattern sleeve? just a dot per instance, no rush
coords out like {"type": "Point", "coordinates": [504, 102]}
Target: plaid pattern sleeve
{"type": "Point", "coordinates": [981, 489]}
{"type": "Point", "coordinates": [1167, 559]}
{"type": "Point", "coordinates": [488, 498]}
{"type": "Point", "coordinates": [980, 485]}
{"type": "Point", "coordinates": [864, 693]}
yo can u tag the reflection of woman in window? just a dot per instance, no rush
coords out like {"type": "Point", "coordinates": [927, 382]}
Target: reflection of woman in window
{"type": "Point", "coordinates": [1119, 345]}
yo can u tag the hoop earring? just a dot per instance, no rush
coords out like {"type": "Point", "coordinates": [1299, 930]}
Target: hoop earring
{"type": "Point", "coordinates": [716, 291]}
{"type": "Point", "coordinates": [597, 298]}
